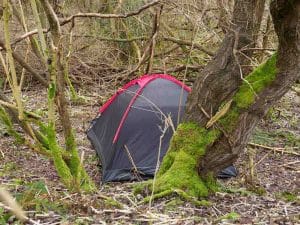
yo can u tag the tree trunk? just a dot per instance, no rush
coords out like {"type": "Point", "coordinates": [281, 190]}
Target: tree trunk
{"type": "Point", "coordinates": [286, 18]}
{"type": "Point", "coordinates": [222, 76]}
{"type": "Point", "coordinates": [198, 149]}
{"type": "Point", "coordinates": [216, 84]}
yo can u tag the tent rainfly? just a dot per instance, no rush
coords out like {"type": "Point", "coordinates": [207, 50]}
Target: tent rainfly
{"type": "Point", "coordinates": [134, 127]}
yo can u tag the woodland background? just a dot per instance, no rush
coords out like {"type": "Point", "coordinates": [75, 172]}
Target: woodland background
{"type": "Point", "coordinates": [101, 54]}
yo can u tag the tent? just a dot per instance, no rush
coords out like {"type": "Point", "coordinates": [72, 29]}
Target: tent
{"type": "Point", "coordinates": [134, 127]}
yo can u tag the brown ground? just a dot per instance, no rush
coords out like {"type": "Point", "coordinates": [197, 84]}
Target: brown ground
{"type": "Point", "coordinates": [273, 197]}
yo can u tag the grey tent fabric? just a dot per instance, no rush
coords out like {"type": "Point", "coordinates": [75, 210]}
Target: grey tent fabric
{"type": "Point", "coordinates": [133, 129]}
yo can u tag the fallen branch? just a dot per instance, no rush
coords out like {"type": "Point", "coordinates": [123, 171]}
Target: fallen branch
{"type": "Point", "coordinates": [292, 166]}
{"type": "Point", "coordinates": [275, 149]}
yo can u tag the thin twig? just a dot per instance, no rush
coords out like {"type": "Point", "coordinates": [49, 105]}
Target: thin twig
{"type": "Point", "coordinates": [27, 35]}
{"type": "Point", "coordinates": [234, 52]}
{"type": "Point", "coordinates": [188, 43]}
{"type": "Point", "coordinates": [164, 131]}
{"type": "Point", "coordinates": [136, 171]}
{"type": "Point", "coordinates": [178, 69]}
{"type": "Point", "coordinates": [2, 153]}
{"type": "Point", "coordinates": [275, 149]}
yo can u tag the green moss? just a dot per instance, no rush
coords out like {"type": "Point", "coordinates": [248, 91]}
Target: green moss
{"type": "Point", "coordinates": [173, 204]}
{"type": "Point", "coordinates": [182, 174]}
{"type": "Point", "coordinates": [80, 178]}
{"type": "Point", "coordinates": [60, 165]}
{"type": "Point", "coordinates": [51, 91]}
{"type": "Point", "coordinates": [256, 82]}
{"type": "Point", "coordinates": [192, 199]}
{"type": "Point", "coordinates": [179, 167]}
{"type": "Point", "coordinates": [74, 163]}
{"type": "Point", "coordinates": [35, 196]}
{"type": "Point", "coordinates": [6, 120]}
{"type": "Point", "coordinates": [258, 190]}
{"type": "Point", "coordinates": [211, 182]}
{"type": "Point", "coordinates": [178, 170]}
{"type": "Point", "coordinates": [240, 191]}
{"type": "Point", "coordinates": [167, 162]}
{"type": "Point", "coordinates": [110, 202]}
{"type": "Point", "coordinates": [86, 183]}
{"type": "Point", "coordinates": [138, 188]}
{"type": "Point", "coordinates": [229, 120]}
{"type": "Point", "coordinates": [233, 216]}
{"type": "Point", "coordinates": [43, 133]}
{"type": "Point", "coordinates": [158, 195]}
{"type": "Point", "coordinates": [288, 196]}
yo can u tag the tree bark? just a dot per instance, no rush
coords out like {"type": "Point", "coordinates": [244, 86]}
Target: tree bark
{"type": "Point", "coordinates": [217, 84]}
{"type": "Point", "coordinates": [198, 151]}
{"type": "Point", "coordinates": [221, 78]}
{"type": "Point", "coordinates": [224, 151]}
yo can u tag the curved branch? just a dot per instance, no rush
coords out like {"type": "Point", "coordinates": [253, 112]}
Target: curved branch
{"type": "Point", "coordinates": [109, 16]}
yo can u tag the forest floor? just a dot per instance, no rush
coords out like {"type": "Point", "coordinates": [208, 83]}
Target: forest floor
{"type": "Point", "coordinates": [270, 197]}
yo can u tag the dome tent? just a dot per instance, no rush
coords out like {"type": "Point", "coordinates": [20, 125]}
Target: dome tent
{"type": "Point", "coordinates": [133, 127]}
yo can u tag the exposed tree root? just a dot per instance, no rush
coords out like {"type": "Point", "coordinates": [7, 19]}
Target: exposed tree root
{"type": "Point", "coordinates": [182, 194]}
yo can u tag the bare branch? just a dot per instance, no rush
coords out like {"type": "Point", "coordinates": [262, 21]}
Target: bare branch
{"type": "Point", "coordinates": [14, 107]}
{"type": "Point", "coordinates": [184, 42]}
{"type": "Point", "coordinates": [19, 59]}
{"type": "Point", "coordinates": [155, 31]}
{"type": "Point", "coordinates": [178, 69]}
{"type": "Point", "coordinates": [26, 35]}
{"type": "Point", "coordinates": [109, 16]}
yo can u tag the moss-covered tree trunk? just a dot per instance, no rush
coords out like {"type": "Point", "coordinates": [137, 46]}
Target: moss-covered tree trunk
{"type": "Point", "coordinates": [70, 170]}
{"type": "Point", "coordinates": [224, 107]}
{"type": "Point", "coordinates": [248, 109]}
